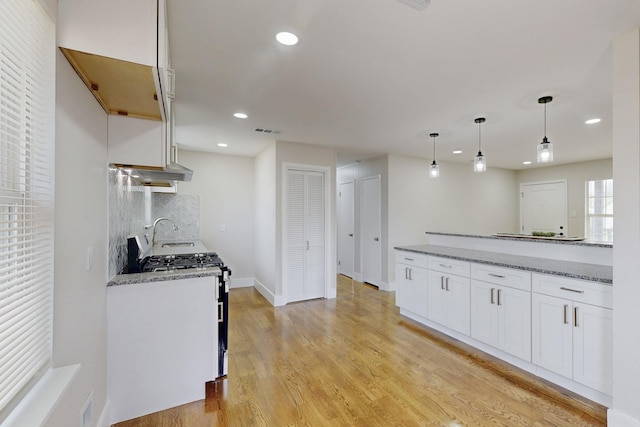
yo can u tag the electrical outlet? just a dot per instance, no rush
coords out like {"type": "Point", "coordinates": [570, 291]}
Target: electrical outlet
{"type": "Point", "coordinates": [223, 227]}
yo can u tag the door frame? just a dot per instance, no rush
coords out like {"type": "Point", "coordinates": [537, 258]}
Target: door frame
{"type": "Point", "coordinates": [566, 201]}
{"type": "Point", "coordinates": [339, 225]}
{"type": "Point", "coordinates": [381, 284]}
{"type": "Point", "coordinates": [326, 172]}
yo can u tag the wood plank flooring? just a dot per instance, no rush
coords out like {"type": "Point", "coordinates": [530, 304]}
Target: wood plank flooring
{"type": "Point", "coordinates": [354, 361]}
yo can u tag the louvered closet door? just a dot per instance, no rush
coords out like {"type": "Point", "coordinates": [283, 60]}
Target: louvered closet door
{"type": "Point", "coordinates": [305, 235]}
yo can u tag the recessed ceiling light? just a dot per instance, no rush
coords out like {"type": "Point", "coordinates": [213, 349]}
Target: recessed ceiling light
{"type": "Point", "coordinates": [457, 152]}
{"type": "Point", "coordinates": [592, 121]}
{"type": "Point", "coordinates": [526, 163]}
{"type": "Point", "coordinates": [240, 115]}
{"type": "Point", "coordinates": [222, 145]}
{"type": "Point", "coordinates": [286, 38]}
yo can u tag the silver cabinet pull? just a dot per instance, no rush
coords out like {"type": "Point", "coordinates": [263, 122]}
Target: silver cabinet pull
{"type": "Point", "coordinates": [492, 301]}
{"type": "Point", "coordinates": [409, 259]}
{"type": "Point", "coordinates": [446, 266]}
{"type": "Point", "coordinates": [499, 290]}
{"type": "Point", "coordinates": [572, 290]}
{"type": "Point", "coordinates": [566, 306]}
{"type": "Point", "coordinates": [406, 273]}
{"type": "Point", "coordinates": [411, 274]}
{"type": "Point", "coordinates": [496, 275]}
{"type": "Point", "coordinates": [575, 316]}
{"type": "Point", "coordinates": [447, 284]}
{"type": "Point", "coordinates": [220, 312]}
{"type": "Point", "coordinates": [442, 282]}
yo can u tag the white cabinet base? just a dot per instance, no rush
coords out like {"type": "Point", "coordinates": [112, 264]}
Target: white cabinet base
{"type": "Point", "coordinates": [559, 380]}
{"type": "Point", "coordinates": [161, 345]}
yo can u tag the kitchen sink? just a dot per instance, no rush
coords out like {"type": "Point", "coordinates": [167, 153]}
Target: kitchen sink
{"type": "Point", "coordinates": [177, 244]}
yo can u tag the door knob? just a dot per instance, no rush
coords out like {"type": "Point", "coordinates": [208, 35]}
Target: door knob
{"type": "Point", "coordinates": [376, 239]}
{"type": "Point", "coordinates": [350, 234]}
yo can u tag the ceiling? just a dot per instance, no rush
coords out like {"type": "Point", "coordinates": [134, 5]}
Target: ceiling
{"type": "Point", "coordinates": [376, 76]}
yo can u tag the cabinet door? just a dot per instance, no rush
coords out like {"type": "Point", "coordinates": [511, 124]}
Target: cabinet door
{"type": "Point", "coordinates": [484, 315]}
{"type": "Point", "coordinates": [592, 347]}
{"type": "Point", "coordinates": [436, 297]}
{"type": "Point", "coordinates": [552, 345]}
{"type": "Point", "coordinates": [411, 293]}
{"type": "Point", "coordinates": [514, 322]}
{"type": "Point", "coordinates": [458, 303]}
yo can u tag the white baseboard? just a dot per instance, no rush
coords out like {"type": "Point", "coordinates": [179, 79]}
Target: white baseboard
{"type": "Point", "coordinates": [357, 277]}
{"type": "Point", "coordinates": [618, 419]}
{"type": "Point", "coordinates": [275, 300]}
{"type": "Point", "coordinates": [104, 420]}
{"type": "Point", "coordinates": [241, 282]}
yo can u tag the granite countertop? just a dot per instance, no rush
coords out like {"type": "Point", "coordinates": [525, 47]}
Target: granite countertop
{"type": "Point", "coordinates": [577, 270]}
{"type": "Point", "coordinates": [161, 276]}
{"type": "Point", "coordinates": [518, 237]}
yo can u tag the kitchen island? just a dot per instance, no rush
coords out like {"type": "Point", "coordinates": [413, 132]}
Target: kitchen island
{"type": "Point", "coordinates": [544, 307]}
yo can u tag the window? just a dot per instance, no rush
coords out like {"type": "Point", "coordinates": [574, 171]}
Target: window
{"type": "Point", "coordinates": [599, 220]}
{"type": "Point", "coordinates": [27, 102]}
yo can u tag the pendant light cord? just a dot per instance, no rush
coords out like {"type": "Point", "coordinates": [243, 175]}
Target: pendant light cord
{"type": "Point", "coordinates": [479, 137]}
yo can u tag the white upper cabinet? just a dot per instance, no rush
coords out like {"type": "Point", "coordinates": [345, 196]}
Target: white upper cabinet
{"type": "Point", "coordinates": [119, 48]}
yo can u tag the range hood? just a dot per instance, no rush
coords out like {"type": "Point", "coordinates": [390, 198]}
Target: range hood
{"type": "Point", "coordinates": [156, 176]}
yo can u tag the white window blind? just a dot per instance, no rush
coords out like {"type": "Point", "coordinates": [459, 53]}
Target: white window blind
{"type": "Point", "coordinates": [27, 102]}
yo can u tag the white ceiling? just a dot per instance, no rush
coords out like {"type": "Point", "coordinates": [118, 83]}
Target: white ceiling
{"type": "Point", "coordinates": [377, 76]}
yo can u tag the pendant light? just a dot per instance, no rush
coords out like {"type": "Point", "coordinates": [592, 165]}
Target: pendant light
{"type": "Point", "coordinates": [434, 172]}
{"type": "Point", "coordinates": [479, 161]}
{"type": "Point", "coordinates": [545, 148]}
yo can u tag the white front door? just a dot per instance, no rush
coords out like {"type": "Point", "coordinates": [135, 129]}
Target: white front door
{"type": "Point", "coordinates": [371, 224]}
{"type": "Point", "coordinates": [543, 207]}
{"type": "Point", "coordinates": [346, 237]}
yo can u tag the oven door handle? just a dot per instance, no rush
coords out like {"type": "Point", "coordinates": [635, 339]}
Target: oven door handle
{"type": "Point", "coordinates": [220, 312]}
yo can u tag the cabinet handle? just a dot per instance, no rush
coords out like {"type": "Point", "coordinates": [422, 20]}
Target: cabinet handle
{"type": "Point", "coordinates": [575, 316]}
{"type": "Point", "coordinates": [572, 290]}
{"type": "Point", "coordinates": [406, 273]}
{"type": "Point", "coordinates": [566, 306]}
{"type": "Point", "coordinates": [442, 282]}
{"type": "Point", "coordinates": [499, 290]}
{"type": "Point", "coordinates": [496, 275]}
{"type": "Point", "coordinates": [447, 284]}
{"type": "Point", "coordinates": [446, 266]}
{"type": "Point", "coordinates": [220, 312]}
{"type": "Point", "coordinates": [411, 274]}
{"type": "Point", "coordinates": [492, 301]}
{"type": "Point", "coordinates": [409, 259]}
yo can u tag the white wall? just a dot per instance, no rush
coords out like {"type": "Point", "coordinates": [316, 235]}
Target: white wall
{"type": "Point", "coordinates": [79, 335]}
{"type": "Point", "coordinates": [265, 221]}
{"type": "Point", "coordinates": [626, 250]}
{"type": "Point", "coordinates": [225, 185]}
{"type": "Point", "coordinates": [576, 174]}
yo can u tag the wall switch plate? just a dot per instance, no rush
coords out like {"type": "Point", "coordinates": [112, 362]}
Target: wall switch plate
{"type": "Point", "coordinates": [223, 227]}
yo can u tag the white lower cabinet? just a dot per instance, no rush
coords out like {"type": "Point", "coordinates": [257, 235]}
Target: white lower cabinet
{"type": "Point", "coordinates": [572, 336]}
{"type": "Point", "coordinates": [411, 283]}
{"type": "Point", "coordinates": [448, 300]}
{"type": "Point", "coordinates": [501, 317]}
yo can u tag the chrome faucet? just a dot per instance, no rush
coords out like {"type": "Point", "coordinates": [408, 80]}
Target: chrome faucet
{"type": "Point", "coordinates": [175, 227]}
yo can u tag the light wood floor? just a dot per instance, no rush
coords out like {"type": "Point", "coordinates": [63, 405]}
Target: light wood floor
{"type": "Point", "coordinates": [354, 361]}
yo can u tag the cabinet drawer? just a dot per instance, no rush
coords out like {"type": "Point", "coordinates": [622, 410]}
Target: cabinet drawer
{"type": "Point", "coordinates": [573, 289]}
{"type": "Point", "coordinates": [450, 266]}
{"type": "Point", "coordinates": [510, 277]}
{"type": "Point", "coordinates": [413, 259]}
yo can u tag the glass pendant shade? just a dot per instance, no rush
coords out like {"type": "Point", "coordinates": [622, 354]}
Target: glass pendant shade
{"type": "Point", "coordinates": [434, 172]}
{"type": "Point", "coordinates": [545, 151]}
{"type": "Point", "coordinates": [479, 163]}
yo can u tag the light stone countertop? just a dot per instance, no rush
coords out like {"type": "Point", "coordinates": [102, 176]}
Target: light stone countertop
{"type": "Point", "coordinates": [161, 276]}
{"type": "Point", "coordinates": [577, 270]}
{"type": "Point", "coordinates": [521, 238]}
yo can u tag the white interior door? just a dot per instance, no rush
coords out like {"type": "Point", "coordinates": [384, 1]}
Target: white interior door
{"type": "Point", "coordinates": [346, 220]}
{"type": "Point", "coordinates": [371, 229]}
{"type": "Point", "coordinates": [305, 235]}
{"type": "Point", "coordinates": [543, 207]}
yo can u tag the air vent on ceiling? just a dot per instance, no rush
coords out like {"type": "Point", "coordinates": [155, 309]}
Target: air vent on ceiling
{"type": "Point", "coordinates": [416, 4]}
{"type": "Point", "coordinates": [262, 130]}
